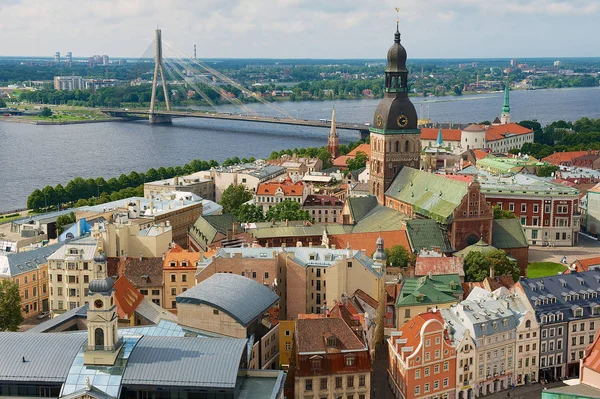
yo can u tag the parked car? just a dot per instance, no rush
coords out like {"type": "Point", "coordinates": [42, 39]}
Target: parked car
{"type": "Point", "coordinates": [43, 315]}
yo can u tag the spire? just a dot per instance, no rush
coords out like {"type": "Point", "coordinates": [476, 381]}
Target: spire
{"type": "Point", "coordinates": [506, 106]}
{"type": "Point", "coordinates": [333, 141]}
{"type": "Point", "coordinates": [440, 139]}
{"type": "Point", "coordinates": [333, 131]}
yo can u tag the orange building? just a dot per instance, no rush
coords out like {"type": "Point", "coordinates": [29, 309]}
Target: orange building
{"type": "Point", "coordinates": [179, 270]}
{"type": "Point", "coordinates": [422, 360]}
{"type": "Point", "coordinates": [29, 270]}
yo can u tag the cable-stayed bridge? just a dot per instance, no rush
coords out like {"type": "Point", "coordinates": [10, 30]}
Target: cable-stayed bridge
{"type": "Point", "coordinates": [173, 66]}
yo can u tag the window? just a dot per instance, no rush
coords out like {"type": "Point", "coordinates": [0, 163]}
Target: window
{"type": "Point", "coordinates": [445, 384]}
{"type": "Point", "coordinates": [426, 371]}
{"type": "Point", "coordinates": [323, 383]}
{"type": "Point", "coordinates": [184, 278]}
{"type": "Point", "coordinates": [155, 292]}
{"type": "Point", "coordinates": [417, 390]}
{"type": "Point", "coordinates": [350, 360]}
{"type": "Point", "coordinates": [436, 369]}
{"type": "Point", "coordinates": [523, 221]}
{"type": "Point", "coordinates": [173, 291]}
{"type": "Point", "coordinates": [523, 207]}
{"type": "Point", "coordinates": [562, 209]}
{"type": "Point", "coordinates": [215, 311]}
{"type": "Point", "coordinates": [426, 387]}
{"type": "Point", "coordinates": [436, 384]}
{"type": "Point", "coordinates": [446, 365]}
{"type": "Point", "coordinates": [173, 278]}
{"type": "Point", "coordinates": [511, 207]}
{"type": "Point", "coordinates": [308, 385]}
{"type": "Point", "coordinates": [417, 374]}
{"type": "Point", "coordinates": [350, 381]}
{"type": "Point", "coordinates": [362, 380]}
{"type": "Point", "coordinates": [536, 208]}
{"type": "Point", "coordinates": [253, 274]}
{"type": "Point", "coordinates": [86, 279]}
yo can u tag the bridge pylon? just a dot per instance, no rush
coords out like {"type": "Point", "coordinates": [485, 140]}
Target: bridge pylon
{"type": "Point", "coordinates": [158, 67]}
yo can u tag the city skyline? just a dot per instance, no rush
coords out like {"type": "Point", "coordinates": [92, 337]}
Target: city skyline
{"type": "Point", "coordinates": [297, 28]}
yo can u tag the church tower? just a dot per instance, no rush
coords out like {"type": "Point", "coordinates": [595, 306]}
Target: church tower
{"type": "Point", "coordinates": [395, 137]}
{"type": "Point", "coordinates": [333, 142]}
{"type": "Point", "coordinates": [102, 324]}
{"type": "Point", "coordinates": [505, 117]}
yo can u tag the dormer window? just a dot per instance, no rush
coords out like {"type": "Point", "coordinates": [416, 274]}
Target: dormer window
{"type": "Point", "coordinates": [578, 312]}
{"type": "Point", "coordinates": [173, 263]}
{"type": "Point", "coordinates": [483, 327]}
{"type": "Point", "coordinates": [332, 342]}
{"type": "Point", "coordinates": [596, 310]}
{"type": "Point", "coordinates": [73, 251]}
{"type": "Point", "coordinates": [184, 263]}
{"type": "Point", "coordinates": [315, 363]}
{"type": "Point", "coordinates": [350, 360]}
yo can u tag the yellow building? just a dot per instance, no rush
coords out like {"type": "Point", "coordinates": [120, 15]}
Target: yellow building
{"type": "Point", "coordinates": [286, 341]}
{"type": "Point", "coordinates": [179, 270]}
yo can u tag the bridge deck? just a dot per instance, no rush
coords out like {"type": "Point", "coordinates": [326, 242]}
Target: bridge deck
{"type": "Point", "coordinates": [249, 118]}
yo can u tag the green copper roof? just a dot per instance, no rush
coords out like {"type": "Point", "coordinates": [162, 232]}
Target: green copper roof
{"type": "Point", "coordinates": [479, 246]}
{"type": "Point", "coordinates": [440, 139]}
{"type": "Point", "coordinates": [426, 290]}
{"type": "Point", "coordinates": [427, 234]}
{"type": "Point", "coordinates": [506, 106]}
{"type": "Point", "coordinates": [508, 233]}
{"type": "Point", "coordinates": [433, 196]}
{"type": "Point", "coordinates": [505, 165]}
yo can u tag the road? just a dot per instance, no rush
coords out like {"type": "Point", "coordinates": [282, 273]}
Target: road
{"type": "Point", "coordinates": [587, 248]}
{"type": "Point", "coordinates": [379, 385]}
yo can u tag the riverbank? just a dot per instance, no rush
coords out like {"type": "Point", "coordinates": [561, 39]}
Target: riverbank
{"type": "Point", "coordinates": [37, 121]}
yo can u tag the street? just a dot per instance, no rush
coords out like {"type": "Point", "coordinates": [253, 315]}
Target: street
{"type": "Point", "coordinates": [587, 248]}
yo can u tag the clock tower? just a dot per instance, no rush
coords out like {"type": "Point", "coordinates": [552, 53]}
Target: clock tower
{"type": "Point", "coordinates": [395, 137]}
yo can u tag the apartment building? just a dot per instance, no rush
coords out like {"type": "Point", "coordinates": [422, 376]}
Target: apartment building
{"type": "Point", "coordinates": [329, 360]}
{"type": "Point", "coordinates": [548, 211]}
{"type": "Point", "coordinates": [179, 269]}
{"type": "Point", "coordinates": [29, 270]}
{"type": "Point", "coordinates": [71, 268]}
{"type": "Point", "coordinates": [198, 183]}
{"type": "Point", "coordinates": [68, 83]}
{"type": "Point", "coordinates": [567, 309]}
{"type": "Point", "coordinates": [248, 175]}
{"type": "Point", "coordinates": [270, 194]}
{"type": "Point", "coordinates": [422, 360]}
{"type": "Point", "coordinates": [323, 208]}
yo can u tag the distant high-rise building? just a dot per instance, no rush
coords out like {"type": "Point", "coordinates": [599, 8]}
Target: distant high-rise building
{"type": "Point", "coordinates": [556, 63]}
{"type": "Point", "coordinates": [105, 60]}
{"type": "Point", "coordinates": [69, 58]}
{"type": "Point", "coordinates": [513, 62]}
{"type": "Point", "coordinates": [57, 57]}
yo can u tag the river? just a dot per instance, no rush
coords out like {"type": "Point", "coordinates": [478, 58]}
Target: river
{"type": "Point", "coordinates": [35, 156]}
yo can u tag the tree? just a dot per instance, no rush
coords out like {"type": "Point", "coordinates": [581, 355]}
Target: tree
{"type": "Point", "coordinates": [477, 265]}
{"type": "Point", "coordinates": [287, 210]}
{"type": "Point", "coordinates": [547, 170]}
{"type": "Point", "coordinates": [10, 306]}
{"type": "Point", "coordinates": [359, 161]}
{"type": "Point", "coordinates": [35, 200]}
{"type": "Point", "coordinates": [64, 220]}
{"type": "Point", "coordinates": [233, 197]}
{"type": "Point", "coordinates": [502, 214]}
{"type": "Point", "coordinates": [325, 157]}
{"type": "Point", "coordinates": [2, 104]}
{"type": "Point", "coordinates": [247, 213]}
{"type": "Point", "coordinates": [398, 256]}
{"type": "Point", "coordinates": [46, 112]}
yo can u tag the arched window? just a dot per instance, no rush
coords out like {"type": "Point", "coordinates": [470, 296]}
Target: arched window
{"type": "Point", "coordinates": [99, 338]}
{"type": "Point", "coordinates": [528, 324]}
{"type": "Point", "coordinates": [99, 268]}
{"type": "Point", "coordinates": [397, 146]}
{"type": "Point", "coordinates": [406, 146]}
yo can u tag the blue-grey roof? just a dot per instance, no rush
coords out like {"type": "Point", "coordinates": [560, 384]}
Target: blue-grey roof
{"type": "Point", "coordinates": [48, 357]}
{"type": "Point", "coordinates": [187, 362]}
{"type": "Point", "coordinates": [570, 292]}
{"type": "Point", "coordinates": [24, 262]}
{"type": "Point", "coordinates": [242, 298]}
{"type": "Point", "coordinates": [43, 217]}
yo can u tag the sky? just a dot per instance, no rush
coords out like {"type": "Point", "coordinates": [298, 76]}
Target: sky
{"type": "Point", "coordinates": [333, 29]}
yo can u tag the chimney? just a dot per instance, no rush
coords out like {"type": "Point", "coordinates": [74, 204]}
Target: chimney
{"type": "Point", "coordinates": [137, 203]}
{"type": "Point", "coordinates": [234, 228]}
{"type": "Point", "coordinates": [141, 255]}
{"type": "Point", "coordinates": [163, 256]}
{"type": "Point", "coordinates": [492, 272]}
{"type": "Point", "coordinates": [229, 234]}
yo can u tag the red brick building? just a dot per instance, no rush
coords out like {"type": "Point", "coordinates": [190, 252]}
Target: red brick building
{"type": "Point", "coordinates": [422, 360]}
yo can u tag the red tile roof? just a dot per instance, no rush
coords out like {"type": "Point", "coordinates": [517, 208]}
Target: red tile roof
{"type": "Point", "coordinates": [439, 265]}
{"type": "Point", "coordinates": [312, 334]}
{"type": "Point", "coordinates": [583, 265]}
{"type": "Point", "coordinates": [340, 161]}
{"type": "Point", "coordinates": [447, 134]}
{"type": "Point", "coordinates": [322, 200]}
{"type": "Point", "coordinates": [367, 241]}
{"type": "Point", "coordinates": [411, 332]}
{"type": "Point", "coordinates": [592, 358]}
{"type": "Point", "coordinates": [368, 299]}
{"type": "Point", "coordinates": [177, 254]}
{"type": "Point", "coordinates": [289, 189]}
{"type": "Point", "coordinates": [480, 154]}
{"type": "Point", "coordinates": [475, 128]}
{"type": "Point", "coordinates": [127, 298]}
{"type": "Point", "coordinates": [499, 132]}
{"type": "Point", "coordinates": [365, 148]}
{"type": "Point", "coordinates": [463, 178]}
{"type": "Point", "coordinates": [563, 157]}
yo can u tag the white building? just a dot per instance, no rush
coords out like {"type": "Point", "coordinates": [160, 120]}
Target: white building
{"type": "Point", "coordinates": [68, 83]}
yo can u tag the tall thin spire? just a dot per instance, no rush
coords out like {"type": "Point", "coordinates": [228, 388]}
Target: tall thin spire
{"type": "Point", "coordinates": [440, 139]}
{"type": "Point", "coordinates": [333, 141]}
{"type": "Point", "coordinates": [505, 117]}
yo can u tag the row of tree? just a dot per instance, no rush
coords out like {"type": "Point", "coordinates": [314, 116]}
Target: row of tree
{"type": "Point", "coordinates": [80, 188]}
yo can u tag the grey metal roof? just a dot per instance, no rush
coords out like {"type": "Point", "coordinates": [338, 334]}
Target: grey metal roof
{"type": "Point", "coordinates": [241, 298]}
{"type": "Point", "coordinates": [50, 325]}
{"type": "Point", "coordinates": [24, 262]}
{"type": "Point", "coordinates": [48, 357]}
{"type": "Point", "coordinates": [188, 362]}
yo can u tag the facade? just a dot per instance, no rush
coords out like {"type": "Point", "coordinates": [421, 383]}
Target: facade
{"type": "Point", "coordinates": [179, 269]}
{"type": "Point", "coordinates": [422, 360]}
{"type": "Point", "coordinates": [248, 175]}
{"type": "Point", "coordinates": [329, 360]}
{"type": "Point", "coordinates": [492, 325]}
{"type": "Point", "coordinates": [567, 310]}
{"type": "Point", "coordinates": [394, 132]}
{"type": "Point", "coordinates": [235, 306]}
{"type": "Point", "coordinates": [548, 211]}
{"type": "Point", "coordinates": [306, 279]}
{"type": "Point", "coordinates": [198, 183]}
{"type": "Point", "coordinates": [419, 295]}
{"type": "Point", "coordinates": [323, 208]}
{"type": "Point", "coordinates": [178, 210]}
{"type": "Point", "coordinates": [269, 194]}
{"type": "Point", "coordinates": [68, 83]}
{"type": "Point", "coordinates": [29, 270]}
{"type": "Point", "coordinates": [124, 238]}
{"type": "Point", "coordinates": [71, 268]}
